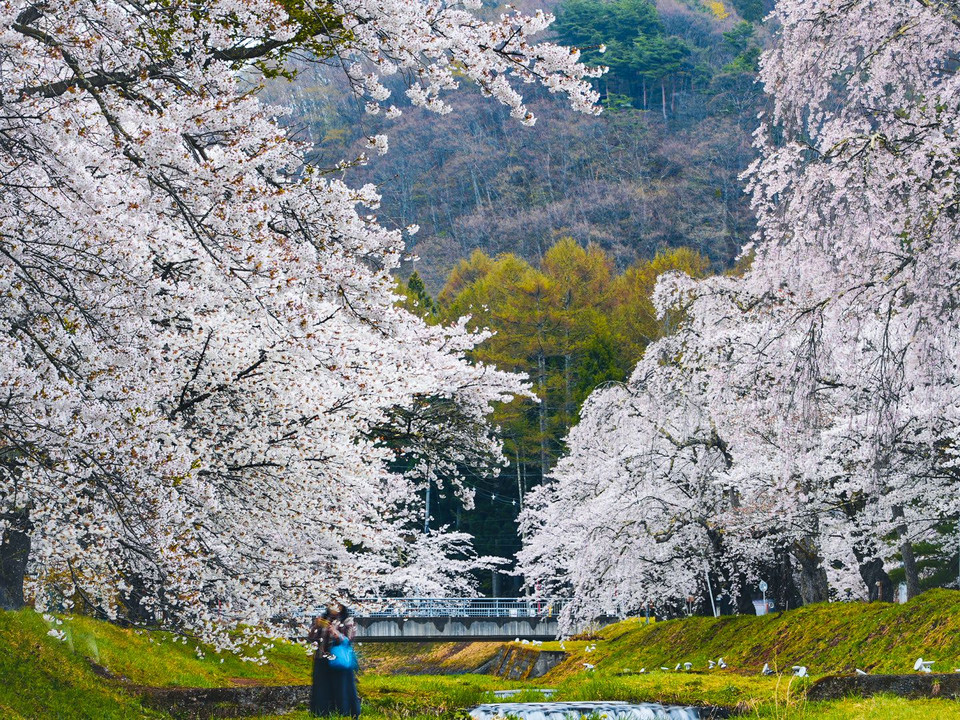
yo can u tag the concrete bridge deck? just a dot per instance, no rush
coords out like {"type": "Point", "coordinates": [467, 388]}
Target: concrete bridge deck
{"type": "Point", "coordinates": [424, 629]}
{"type": "Point", "coordinates": [438, 619]}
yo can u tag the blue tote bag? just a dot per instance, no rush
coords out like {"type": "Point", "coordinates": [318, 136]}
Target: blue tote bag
{"type": "Point", "coordinates": [344, 658]}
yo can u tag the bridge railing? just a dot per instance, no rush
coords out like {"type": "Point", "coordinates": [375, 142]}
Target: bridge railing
{"type": "Point", "coordinates": [460, 607]}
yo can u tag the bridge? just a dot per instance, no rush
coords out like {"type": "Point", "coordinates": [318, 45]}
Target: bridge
{"type": "Point", "coordinates": [432, 619]}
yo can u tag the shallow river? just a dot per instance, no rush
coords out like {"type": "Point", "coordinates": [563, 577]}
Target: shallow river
{"type": "Point", "coordinates": [563, 710]}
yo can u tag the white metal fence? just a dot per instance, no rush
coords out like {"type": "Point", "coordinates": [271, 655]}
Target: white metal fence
{"type": "Point", "coordinates": [460, 607]}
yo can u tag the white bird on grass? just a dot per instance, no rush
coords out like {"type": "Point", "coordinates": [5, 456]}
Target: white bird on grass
{"type": "Point", "coordinates": [923, 666]}
{"type": "Point", "coordinates": [721, 664]}
{"type": "Point", "coordinates": [766, 669]}
{"type": "Point", "coordinates": [800, 670]}
{"type": "Point", "coordinates": [664, 668]}
{"type": "Point", "coordinates": [711, 665]}
{"type": "Point", "coordinates": [677, 667]}
{"type": "Point", "coordinates": [861, 672]}
{"type": "Point", "coordinates": [588, 666]}
{"type": "Point", "coordinates": [688, 666]}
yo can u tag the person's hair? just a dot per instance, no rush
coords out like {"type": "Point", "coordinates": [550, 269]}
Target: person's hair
{"type": "Point", "coordinates": [345, 612]}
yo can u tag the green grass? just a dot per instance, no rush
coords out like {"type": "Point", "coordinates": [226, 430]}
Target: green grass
{"type": "Point", "coordinates": [400, 696]}
{"type": "Point", "coordinates": [827, 638]}
{"type": "Point", "coordinates": [880, 707]}
{"type": "Point", "coordinates": [766, 698]}
{"type": "Point", "coordinates": [443, 698]}
{"type": "Point", "coordinates": [158, 658]}
{"type": "Point", "coordinates": [42, 679]}
{"type": "Point", "coordinates": [422, 697]}
{"type": "Point", "coordinates": [676, 688]}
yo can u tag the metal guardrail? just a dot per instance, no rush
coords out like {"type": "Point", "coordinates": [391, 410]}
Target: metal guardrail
{"type": "Point", "coordinates": [460, 607]}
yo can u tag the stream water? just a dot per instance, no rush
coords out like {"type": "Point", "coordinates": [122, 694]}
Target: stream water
{"type": "Point", "coordinates": [613, 710]}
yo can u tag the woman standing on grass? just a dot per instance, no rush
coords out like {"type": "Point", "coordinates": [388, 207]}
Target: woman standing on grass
{"type": "Point", "coordinates": [334, 690]}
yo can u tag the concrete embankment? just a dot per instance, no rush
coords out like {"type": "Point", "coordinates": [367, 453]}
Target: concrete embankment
{"type": "Point", "coordinates": [521, 663]}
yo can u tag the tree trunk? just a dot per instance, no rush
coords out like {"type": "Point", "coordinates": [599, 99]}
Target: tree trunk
{"type": "Point", "coordinates": [812, 575]}
{"type": "Point", "coordinates": [910, 568]}
{"type": "Point", "coordinates": [519, 477]}
{"type": "Point", "coordinates": [663, 98]}
{"type": "Point", "coordinates": [784, 590]}
{"type": "Point", "coordinates": [135, 601]}
{"type": "Point", "coordinates": [906, 553]}
{"type": "Point", "coordinates": [879, 585]}
{"type": "Point", "coordinates": [14, 553]}
{"type": "Point", "coordinates": [542, 409]}
{"type": "Point", "coordinates": [744, 602]}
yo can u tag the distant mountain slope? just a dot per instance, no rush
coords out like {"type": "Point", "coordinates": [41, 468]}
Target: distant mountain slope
{"type": "Point", "coordinates": [660, 168]}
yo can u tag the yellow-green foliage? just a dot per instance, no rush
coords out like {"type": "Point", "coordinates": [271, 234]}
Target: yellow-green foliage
{"type": "Point", "coordinates": [718, 9]}
{"type": "Point", "coordinates": [827, 638]}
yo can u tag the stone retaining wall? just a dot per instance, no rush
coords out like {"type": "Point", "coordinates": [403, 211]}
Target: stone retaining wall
{"type": "Point", "coordinates": [926, 685]}
{"type": "Point", "coordinates": [521, 663]}
{"type": "Point", "coordinates": [203, 703]}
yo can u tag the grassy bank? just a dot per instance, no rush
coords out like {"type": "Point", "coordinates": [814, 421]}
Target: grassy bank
{"type": "Point", "coordinates": [44, 677]}
{"type": "Point", "coordinates": [159, 659]}
{"type": "Point", "coordinates": [141, 656]}
{"type": "Point", "coordinates": [827, 638]}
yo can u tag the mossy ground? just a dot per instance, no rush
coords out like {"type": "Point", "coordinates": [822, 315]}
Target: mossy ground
{"type": "Point", "coordinates": [44, 677]}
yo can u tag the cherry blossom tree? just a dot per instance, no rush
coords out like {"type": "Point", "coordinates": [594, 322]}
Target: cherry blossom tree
{"type": "Point", "coordinates": [828, 370]}
{"type": "Point", "coordinates": [856, 196]}
{"type": "Point", "coordinates": [202, 345]}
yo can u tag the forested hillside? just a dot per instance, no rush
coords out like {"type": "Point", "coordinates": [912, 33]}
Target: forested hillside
{"type": "Point", "coordinates": [657, 169]}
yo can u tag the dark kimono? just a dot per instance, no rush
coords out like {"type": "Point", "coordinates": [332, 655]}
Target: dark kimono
{"type": "Point", "coordinates": [334, 691]}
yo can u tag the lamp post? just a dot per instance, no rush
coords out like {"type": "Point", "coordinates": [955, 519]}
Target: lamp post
{"type": "Point", "coordinates": [713, 604]}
